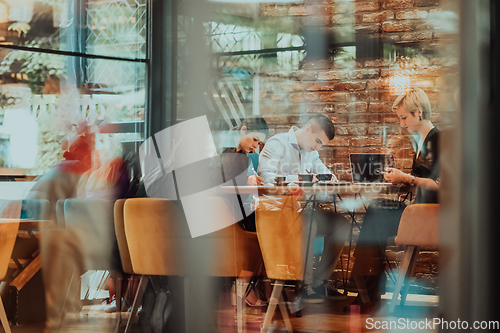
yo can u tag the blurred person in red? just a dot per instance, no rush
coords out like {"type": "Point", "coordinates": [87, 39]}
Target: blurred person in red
{"type": "Point", "coordinates": [55, 242]}
{"type": "Point", "coordinates": [83, 238]}
{"type": "Point", "coordinates": [108, 181]}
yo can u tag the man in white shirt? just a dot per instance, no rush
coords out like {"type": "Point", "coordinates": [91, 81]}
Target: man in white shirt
{"type": "Point", "coordinates": [293, 153]}
{"type": "Point", "coordinates": [296, 152]}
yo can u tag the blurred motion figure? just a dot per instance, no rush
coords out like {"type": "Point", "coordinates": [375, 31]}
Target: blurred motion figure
{"type": "Point", "coordinates": [61, 182]}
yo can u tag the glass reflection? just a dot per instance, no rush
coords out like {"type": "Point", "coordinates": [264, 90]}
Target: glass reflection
{"type": "Point", "coordinates": [108, 28]}
{"type": "Point", "coordinates": [40, 105]}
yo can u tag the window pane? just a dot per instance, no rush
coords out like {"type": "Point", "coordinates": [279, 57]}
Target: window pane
{"type": "Point", "coordinates": [112, 28]}
{"type": "Point", "coordinates": [40, 105]}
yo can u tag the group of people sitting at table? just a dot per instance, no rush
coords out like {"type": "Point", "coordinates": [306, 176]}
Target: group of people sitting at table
{"type": "Point", "coordinates": [286, 154]}
{"type": "Point", "coordinates": [296, 152]}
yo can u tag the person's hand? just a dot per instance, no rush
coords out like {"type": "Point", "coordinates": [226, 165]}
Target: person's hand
{"type": "Point", "coordinates": [395, 176]}
{"type": "Point", "coordinates": [255, 181]}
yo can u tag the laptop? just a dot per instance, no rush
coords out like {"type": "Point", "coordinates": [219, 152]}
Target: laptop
{"type": "Point", "coordinates": [370, 168]}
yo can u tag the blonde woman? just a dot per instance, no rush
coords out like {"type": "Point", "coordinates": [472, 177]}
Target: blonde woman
{"type": "Point", "coordinates": [414, 111]}
{"type": "Point", "coordinates": [382, 217]}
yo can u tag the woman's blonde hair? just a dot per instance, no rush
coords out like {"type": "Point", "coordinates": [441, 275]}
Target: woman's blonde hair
{"type": "Point", "coordinates": [414, 99]}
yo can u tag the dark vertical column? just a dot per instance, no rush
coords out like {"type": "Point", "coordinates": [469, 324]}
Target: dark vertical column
{"type": "Point", "coordinates": [200, 299]}
{"type": "Point", "coordinates": [488, 254]}
{"type": "Point", "coordinates": [480, 147]}
{"type": "Point", "coordinates": [162, 111]}
{"type": "Point", "coordinates": [469, 230]}
{"type": "Point", "coordinates": [74, 37]}
{"type": "Point", "coordinates": [162, 67]}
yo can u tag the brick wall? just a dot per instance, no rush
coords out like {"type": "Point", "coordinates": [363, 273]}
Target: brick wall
{"type": "Point", "coordinates": [358, 94]}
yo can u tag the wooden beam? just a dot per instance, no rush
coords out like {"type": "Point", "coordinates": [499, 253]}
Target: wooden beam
{"type": "Point", "coordinates": [27, 273]}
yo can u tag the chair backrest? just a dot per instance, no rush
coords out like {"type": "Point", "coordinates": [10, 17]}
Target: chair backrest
{"type": "Point", "coordinates": [61, 222]}
{"type": "Point", "coordinates": [155, 235]}
{"type": "Point", "coordinates": [419, 225]}
{"type": "Point", "coordinates": [232, 249]}
{"type": "Point", "coordinates": [8, 232]}
{"type": "Point", "coordinates": [280, 230]}
{"type": "Point", "coordinates": [36, 209]}
{"type": "Point", "coordinates": [121, 238]}
{"type": "Point", "coordinates": [56, 184]}
{"type": "Point", "coordinates": [34, 217]}
{"type": "Point", "coordinates": [92, 221]}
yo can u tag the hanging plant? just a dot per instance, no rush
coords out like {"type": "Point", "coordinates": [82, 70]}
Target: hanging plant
{"type": "Point", "coordinates": [36, 68]}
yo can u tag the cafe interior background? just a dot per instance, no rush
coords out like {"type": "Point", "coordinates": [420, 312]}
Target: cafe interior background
{"type": "Point", "coordinates": [140, 66]}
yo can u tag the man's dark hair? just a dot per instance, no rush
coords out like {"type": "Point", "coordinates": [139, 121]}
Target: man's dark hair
{"type": "Point", "coordinates": [324, 123]}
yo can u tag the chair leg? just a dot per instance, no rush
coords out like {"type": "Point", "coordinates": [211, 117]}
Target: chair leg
{"type": "Point", "coordinates": [411, 270]}
{"type": "Point", "coordinates": [102, 282]}
{"type": "Point", "coordinates": [273, 301]}
{"type": "Point", "coordinates": [251, 285]}
{"type": "Point", "coordinates": [118, 281]}
{"type": "Point", "coordinates": [138, 296]}
{"type": "Point", "coordinates": [61, 315]}
{"type": "Point", "coordinates": [360, 284]}
{"type": "Point", "coordinates": [100, 286]}
{"type": "Point", "coordinates": [3, 318]}
{"type": "Point", "coordinates": [87, 292]}
{"type": "Point", "coordinates": [401, 277]}
{"type": "Point", "coordinates": [284, 314]}
{"type": "Point", "coordinates": [239, 304]}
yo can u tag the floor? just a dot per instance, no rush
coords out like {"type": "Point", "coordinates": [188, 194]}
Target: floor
{"type": "Point", "coordinates": [320, 318]}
